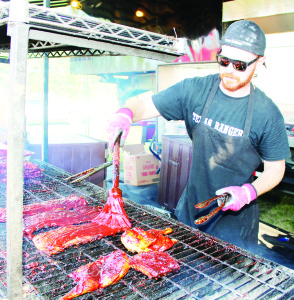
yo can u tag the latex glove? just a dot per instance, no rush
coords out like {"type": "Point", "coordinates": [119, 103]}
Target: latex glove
{"type": "Point", "coordinates": [120, 122]}
{"type": "Point", "coordinates": [240, 195]}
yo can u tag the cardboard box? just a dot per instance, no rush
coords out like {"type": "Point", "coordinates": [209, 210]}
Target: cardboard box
{"type": "Point", "coordinates": [139, 167]}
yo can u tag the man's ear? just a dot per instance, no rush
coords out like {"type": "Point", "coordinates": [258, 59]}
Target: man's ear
{"type": "Point", "coordinates": [261, 62]}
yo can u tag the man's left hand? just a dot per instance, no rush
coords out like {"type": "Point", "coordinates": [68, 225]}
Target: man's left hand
{"type": "Point", "coordinates": [240, 195]}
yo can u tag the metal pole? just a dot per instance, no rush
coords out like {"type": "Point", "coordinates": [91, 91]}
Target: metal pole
{"type": "Point", "coordinates": [46, 3]}
{"type": "Point", "coordinates": [19, 32]}
{"type": "Point", "coordinates": [45, 111]}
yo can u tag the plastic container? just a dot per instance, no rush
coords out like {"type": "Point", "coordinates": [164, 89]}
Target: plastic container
{"type": "Point", "coordinates": [175, 168]}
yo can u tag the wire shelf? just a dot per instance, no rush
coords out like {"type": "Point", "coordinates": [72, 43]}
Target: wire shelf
{"type": "Point", "coordinates": [46, 19]}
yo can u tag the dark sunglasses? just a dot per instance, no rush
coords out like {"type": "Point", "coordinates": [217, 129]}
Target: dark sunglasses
{"type": "Point", "coordinates": [239, 65]}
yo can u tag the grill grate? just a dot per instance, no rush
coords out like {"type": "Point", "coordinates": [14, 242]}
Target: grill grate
{"type": "Point", "coordinates": [210, 268]}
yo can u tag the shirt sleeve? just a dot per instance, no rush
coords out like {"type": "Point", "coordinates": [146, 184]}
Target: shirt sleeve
{"type": "Point", "coordinates": [274, 143]}
{"type": "Point", "coordinates": [169, 102]}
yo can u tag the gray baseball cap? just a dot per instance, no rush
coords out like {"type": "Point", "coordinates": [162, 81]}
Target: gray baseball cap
{"type": "Point", "coordinates": [245, 35]}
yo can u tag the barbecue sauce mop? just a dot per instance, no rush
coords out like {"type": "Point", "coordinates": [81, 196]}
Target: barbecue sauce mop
{"type": "Point", "coordinates": [113, 214]}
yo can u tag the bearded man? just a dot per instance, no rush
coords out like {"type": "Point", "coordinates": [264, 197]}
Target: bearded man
{"type": "Point", "coordinates": [234, 127]}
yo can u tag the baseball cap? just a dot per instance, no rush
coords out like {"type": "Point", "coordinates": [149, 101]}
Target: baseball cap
{"type": "Point", "coordinates": [245, 35]}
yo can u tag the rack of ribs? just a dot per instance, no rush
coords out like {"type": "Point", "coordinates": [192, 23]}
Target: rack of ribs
{"type": "Point", "coordinates": [113, 214]}
{"type": "Point", "coordinates": [59, 218]}
{"type": "Point", "coordinates": [154, 264]}
{"type": "Point", "coordinates": [70, 202]}
{"type": "Point", "coordinates": [30, 170]}
{"type": "Point", "coordinates": [139, 240]}
{"type": "Point", "coordinates": [99, 274]}
{"type": "Point", "coordinates": [57, 240]}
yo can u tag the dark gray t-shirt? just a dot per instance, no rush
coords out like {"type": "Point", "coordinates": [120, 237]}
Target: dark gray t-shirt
{"type": "Point", "coordinates": [185, 101]}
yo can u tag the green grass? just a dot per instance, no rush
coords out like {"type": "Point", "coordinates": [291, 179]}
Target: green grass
{"type": "Point", "coordinates": [277, 208]}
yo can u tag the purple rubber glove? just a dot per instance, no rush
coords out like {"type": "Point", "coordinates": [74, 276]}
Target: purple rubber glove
{"type": "Point", "coordinates": [240, 195]}
{"type": "Point", "coordinates": [120, 122]}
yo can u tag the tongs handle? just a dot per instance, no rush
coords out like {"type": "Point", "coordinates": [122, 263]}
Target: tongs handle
{"type": "Point", "coordinates": [201, 220]}
{"type": "Point", "coordinates": [87, 173]}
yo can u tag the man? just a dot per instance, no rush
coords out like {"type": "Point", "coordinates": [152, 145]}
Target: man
{"type": "Point", "coordinates": [233, 125]}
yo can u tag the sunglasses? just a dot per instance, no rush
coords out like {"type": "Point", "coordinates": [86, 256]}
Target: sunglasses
{"type": "Point", "coordinates": [239, 65]}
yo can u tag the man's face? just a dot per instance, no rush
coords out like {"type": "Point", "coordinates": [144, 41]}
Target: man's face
{"type": "Point", "coordinates": [233, 80]}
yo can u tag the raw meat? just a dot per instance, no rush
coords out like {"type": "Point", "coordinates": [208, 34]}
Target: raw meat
{"type": "Point", "coordinates": [138, 240]}
{"type": "Point", "coordinates": [99, 274]}
{"type": "Point", "coordinates": [154, 264]}
{"type": "Point", "coordinates": [59, 218]}
{"type": "Point", "coordinates": [51, 205]}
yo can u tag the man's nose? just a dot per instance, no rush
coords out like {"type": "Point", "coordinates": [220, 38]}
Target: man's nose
{"type": "Point", "coordinates": [230, 66]}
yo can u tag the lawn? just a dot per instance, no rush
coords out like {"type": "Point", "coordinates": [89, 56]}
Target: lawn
{"type": "Point", "coordinates": [277, 208]}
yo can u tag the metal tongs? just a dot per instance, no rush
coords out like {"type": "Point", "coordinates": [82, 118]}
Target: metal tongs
{"type": "Point", "coordinates": [222, 200]}
{"type": "Point", "coordinates": [87, 173]}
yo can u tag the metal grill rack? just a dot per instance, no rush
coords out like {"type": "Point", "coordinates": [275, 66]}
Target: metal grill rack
{"type": "Point", "coordinates": [54, 22]}
{"type": "Point", "coordinates": [210, 268]}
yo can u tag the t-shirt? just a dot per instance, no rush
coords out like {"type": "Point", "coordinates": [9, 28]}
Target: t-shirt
{"type": "Point", "coordinates": [186, 99]}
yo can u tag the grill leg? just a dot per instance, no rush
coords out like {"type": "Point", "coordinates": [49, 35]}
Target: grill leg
{"type": "Point", "coordinates": [19, 32]}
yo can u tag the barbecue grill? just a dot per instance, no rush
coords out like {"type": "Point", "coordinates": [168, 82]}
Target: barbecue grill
{"type": "Point", "coordinates": [210, 268]}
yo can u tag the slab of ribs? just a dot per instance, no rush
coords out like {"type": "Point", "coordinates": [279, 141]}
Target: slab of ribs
{"type": "Point", "coordinates": [139, 240]}
{"type": "Point", "coordinates": [111, 220]}
{"type": "Point", "coordinates": [58, 218]}
{"type": "Point", "coordinates": [99, 274]}
{"type": "Point", "coordinates": [70, 202]}
{"type": "Point", "coordinates": [154, 264]}
{"type": "Point", "coordinates": [57, 240]}
{"type": "Point", "coordinates": [30, 171]}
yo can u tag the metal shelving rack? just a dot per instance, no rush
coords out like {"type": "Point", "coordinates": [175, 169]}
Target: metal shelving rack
{"type": "Point", "coordinates": [34, 30]}
{"type": "Point", "coordinates": [51, 30]}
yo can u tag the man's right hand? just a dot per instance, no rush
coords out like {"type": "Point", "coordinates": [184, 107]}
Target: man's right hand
{"type": "Point", "coordinates": [120, 122]}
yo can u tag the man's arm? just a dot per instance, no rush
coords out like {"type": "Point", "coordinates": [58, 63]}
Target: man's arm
{"type": "Point", "coordinates": [133, 111]}
{"type": "Point", "coordinates": [271, 176]}
{"type": "Point", "coordinates": [142, 109]}
{"type": "Point", "coordinates": [241, 195]}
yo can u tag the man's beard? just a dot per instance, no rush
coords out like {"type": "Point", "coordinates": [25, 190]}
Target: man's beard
{"type": "Point", "coordinates": [237, 83]}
